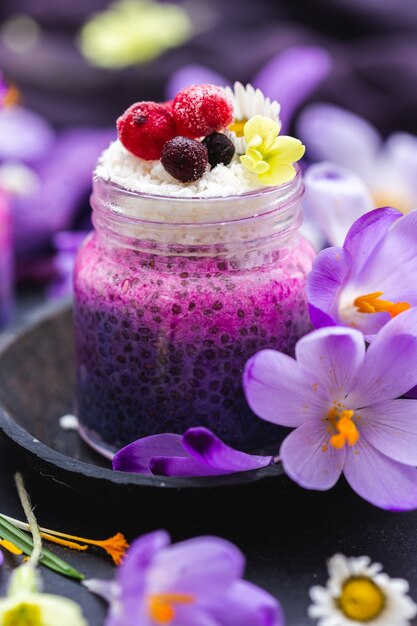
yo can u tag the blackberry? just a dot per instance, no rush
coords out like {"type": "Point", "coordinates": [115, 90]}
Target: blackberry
{"type": "Point", "coordinates": [220, 149]}
{"type": "Point", "coordinates": [185, 159]}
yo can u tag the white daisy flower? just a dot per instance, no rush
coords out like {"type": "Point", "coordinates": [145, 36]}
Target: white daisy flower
{"type": "Point", "coordinates": [357, 592]}
{"type": "Point", "coordinates": [247, 102]}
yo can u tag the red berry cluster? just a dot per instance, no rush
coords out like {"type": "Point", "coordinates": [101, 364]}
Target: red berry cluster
{"type": "Point", "coordinates": [168, 131]}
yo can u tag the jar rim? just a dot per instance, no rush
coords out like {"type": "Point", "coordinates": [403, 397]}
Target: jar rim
{"type": "Point", "coordinates": [257, 191]}
{"type": "Point", "coordinates": [119, 201]}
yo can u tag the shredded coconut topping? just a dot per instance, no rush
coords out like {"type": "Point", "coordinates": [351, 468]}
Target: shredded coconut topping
{"type": "Point", "coordinates": [121, 167]}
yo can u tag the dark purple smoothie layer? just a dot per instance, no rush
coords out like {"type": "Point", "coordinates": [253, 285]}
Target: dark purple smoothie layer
{"type": "Point", "coordinates": [162, 342]}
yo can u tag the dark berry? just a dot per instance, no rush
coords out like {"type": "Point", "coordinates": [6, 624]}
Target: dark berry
{"type": "Point", "coordinates": [220, 149]}
{"type": "Point", "coordinates": [185, 159]}
{"type": "Point", "coordinates": [201, 109]}
{"type": "Point", "coordinates": [145, 127]}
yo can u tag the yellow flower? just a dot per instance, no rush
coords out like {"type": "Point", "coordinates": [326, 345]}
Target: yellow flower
{"type": "Point", "coordinates": [36, 609]}
{"type": "Point", "coordinates": [267, 155]}
{"type": "Point", "coordinates": [133, 31]}
{"type": "Point", "coordinates": [26, 606]}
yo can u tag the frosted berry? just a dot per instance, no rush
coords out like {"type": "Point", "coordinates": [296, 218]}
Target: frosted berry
{"type": "Point", "coordinates": [185, 159]}
{"type": "Point", "coordinates": [144, 128]}
{"type": "Point", "coordinates": [168, 105]}
{"type": "Point", "coordinates": [200, 110]}
{"type": "Point", "coordinates": [220, 149]}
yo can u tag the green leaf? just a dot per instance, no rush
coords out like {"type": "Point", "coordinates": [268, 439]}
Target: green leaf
{"type": "Point", "coordinates": [24, 542]}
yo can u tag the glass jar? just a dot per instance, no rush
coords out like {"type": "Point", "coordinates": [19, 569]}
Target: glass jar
{"type": "Point", "coordinates": [6, 260]}
{"type": "Point", "coordinates": [172, 297]}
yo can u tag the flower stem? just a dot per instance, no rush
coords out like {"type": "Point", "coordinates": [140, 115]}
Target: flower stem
{"type": "Point", "coordinates": [33, 524]}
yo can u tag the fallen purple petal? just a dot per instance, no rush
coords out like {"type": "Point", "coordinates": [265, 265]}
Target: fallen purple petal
{"type": "Point", "coordinates": [196, 453]}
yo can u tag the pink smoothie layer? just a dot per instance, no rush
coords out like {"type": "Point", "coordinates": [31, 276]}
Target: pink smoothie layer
{"type": "Point", "coordinates": [162, 341]}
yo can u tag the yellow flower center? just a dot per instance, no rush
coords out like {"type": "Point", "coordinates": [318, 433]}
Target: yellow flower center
{"type": "Point", "coordinates": [371, 303]}
{"type": "Point", "coordinates": [386, 198]}
{"type": "Point", "coordinates": [162, 605]}
{"type": "Point", "coordinates": [237, 127]}
{"type": "Point", "coordinates": [23, 615]}
{"type": "Point", "coordinates": [341, 427]}
{"type": "Point", "coordinates": [361, 600]}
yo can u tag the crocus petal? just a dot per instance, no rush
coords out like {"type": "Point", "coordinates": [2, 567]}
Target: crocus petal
{"type": "Point", "coordinates": [1, 558]}
{"type": "Point", "coordinates": [330, 271]}
{"type": "Point", "coordinates": [204, 566]}
{"type": "Point", "coordinates": [401, 149]}
{"type": "Point", "coordinates": [309, 460]}
{"type": "Point", "coordinates": [394, 262]}
{"type": "Point", "coordinates": [367, 233]}
{"type": "Point", "coordinates": [291, 76]}
{"type": "Point", "coordinates": [136, 456]}
{"type": "Point", "coordinates": [335, 356]}
{"type": "Point", "coordinates": [106, 589]}
{"type": "Point", "coordinates": [335, 198]}
{"type": "Point", "coordinates": [193, 615]}
{"type": "Point", "coordinates": [209, 450]}
{"type": "Point", "coordinates": [132, 573]}
{"type": "Point", "coordinates": [391, 427]}
{"type": "Point", "coordinates": [278, 391]}
{"type": "Point", "coordinates": [24, 135]}
{"type": "Point", "coordinates": [247, 605]}
{"type": "Point", "coordinates": [335, 134]}
{"type": "Point", "coordinates": [390, 364]}
{"type": "Point", "coordinates": [176, 466]}
{"type": "Point", "coordinates": [193, 75]}
{"type": "Point", "coordinates": [380, 480]}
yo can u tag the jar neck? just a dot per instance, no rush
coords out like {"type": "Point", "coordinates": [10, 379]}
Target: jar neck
{"type": "Point", "coordinates": [258, 224]}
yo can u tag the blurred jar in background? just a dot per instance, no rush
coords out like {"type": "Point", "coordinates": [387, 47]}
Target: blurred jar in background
{"type": "Point", "coordinates": [6, 260]}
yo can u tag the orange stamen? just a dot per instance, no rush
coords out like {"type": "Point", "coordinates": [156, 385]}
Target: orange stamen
{"type": "Point", "coordinates": [64, 542]}
{"type": "Point", "coordinates": [8, 545]}
{"type": "Point", "coordinates": [114, 546]}
{"type": "Point", "coordinates": [162, 605]}
{"type": "Point", "coordinates": [371, 303]}
{"type": "Point", "coordinates": [341, 427]}
{"type": "Point", "coordinates": [12, 96]}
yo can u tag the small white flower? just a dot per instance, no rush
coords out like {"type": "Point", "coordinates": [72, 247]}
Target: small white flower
{"type": "Point", "coordinates": [247, 102]}
{"type": "Point", "coordinates": [357, 592]}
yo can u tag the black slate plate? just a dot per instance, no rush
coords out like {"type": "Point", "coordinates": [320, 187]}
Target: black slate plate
{"type": "Point", "coordinates": [287, 533]}
{"type": "Point", "coordinates": [36, 389]}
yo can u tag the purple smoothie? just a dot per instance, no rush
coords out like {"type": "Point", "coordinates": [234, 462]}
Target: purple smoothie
{"type": "Point", "coordinates": [6, 258]}
{"type": "Point", "coordinates": [162, 340]}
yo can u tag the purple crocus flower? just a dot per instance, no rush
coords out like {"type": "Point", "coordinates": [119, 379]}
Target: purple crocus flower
{"type": "Point", "coordinates": [342, 402]}
{"type": "Point", "coordinates": [354, 151]}
{"type": "Point", "coordinates": [196, 453]}
{"type": "Point", "coordinates": [370, 279]}
{"type": "Point", "coordinates": [193, 583]}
